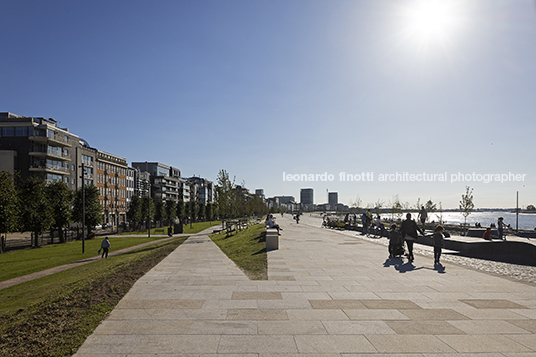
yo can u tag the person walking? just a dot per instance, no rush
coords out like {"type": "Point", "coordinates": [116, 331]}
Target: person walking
{"type": "Point", "coordinates": [395, 242]}
{"type": "Point", "coordinates": [409, 230]}
{"type": "Point", "coordinates": [423, 215]}
{"type": "Point", "coordinates": [439, 242]}
{"type": "Point", "coordinates": [105, 246]}
{"type": "Point", "coordinates": [500, 228]}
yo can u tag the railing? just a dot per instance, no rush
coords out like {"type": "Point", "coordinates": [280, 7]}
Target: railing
{"type": "Point", "coordinates": [50, 167]}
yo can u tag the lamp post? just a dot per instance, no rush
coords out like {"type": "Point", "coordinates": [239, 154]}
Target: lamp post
{"type": "Point", "coordinates": [83, 208]}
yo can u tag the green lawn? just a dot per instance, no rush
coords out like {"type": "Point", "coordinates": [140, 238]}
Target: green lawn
{"type": "Point", "coordinates": [247, 249]}
{"type": "Point", "coordinates": [21, 262]}
{"type": "Point", "coordinates": [52, 316]}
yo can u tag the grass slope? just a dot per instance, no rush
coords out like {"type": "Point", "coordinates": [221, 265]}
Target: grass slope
{"type": "Point", "coordinates": [247, 249]}
{"type": "Point", "coordinates": [54, 315]}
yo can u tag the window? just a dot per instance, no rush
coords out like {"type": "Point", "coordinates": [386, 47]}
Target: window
{"type": "Point", "coordinates": [72, 181]}
{"type": "Point", "coordinates": [8, 132]}
{"type": "Point", "coordinates": [21, 131]}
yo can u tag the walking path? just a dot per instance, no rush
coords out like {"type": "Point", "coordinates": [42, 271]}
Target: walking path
{"type": "Point", "coordinates": [327, 295]}
{"type": "Point", "coordinates": [39, 274]}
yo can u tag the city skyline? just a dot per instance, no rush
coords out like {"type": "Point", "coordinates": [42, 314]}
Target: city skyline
{"type": "Point", "coordinates": [369, 99]}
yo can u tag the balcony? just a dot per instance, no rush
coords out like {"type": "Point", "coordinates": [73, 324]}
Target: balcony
{"type": "Point", "coordinates": [49, 168]}
{"type": "Point", "coordinates": [45, 154]}
{"type": "Point", "coordinates": [56, 139]}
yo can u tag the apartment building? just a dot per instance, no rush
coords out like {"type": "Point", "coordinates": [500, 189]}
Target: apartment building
{"type": "Point", "coordinates": [165, 180]}
{"type": "Point", "coordinates": [201, 189]}
{"type": "Point", "coordinates": [38, 147]}
{"type": "Point", "coordinates": [111, 180]}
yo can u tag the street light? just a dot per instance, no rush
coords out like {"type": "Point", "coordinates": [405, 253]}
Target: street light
{"type": "Point", "coordinates": [83, 208]}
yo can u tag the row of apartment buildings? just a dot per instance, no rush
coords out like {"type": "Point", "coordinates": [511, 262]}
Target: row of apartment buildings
{"type": "Point", "coordinates": [39, 147]}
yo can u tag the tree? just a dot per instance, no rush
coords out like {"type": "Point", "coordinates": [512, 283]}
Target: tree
{"type": "Point", "coordinates": [201, 211]}
{"type": "Point", "coordinates": [531, 208]}
{"type": "Point", "coordinates": [160, 213]}
{"type": "Point", "coordinates": [225, 190]}
{"type": "Point", "coordinates": [60, 198]}
{"type": "Point", "coordinates": [171, 210]}
{"type": "Point", "coordinates": [134, 211]}
{"type": "Point", "coordinates": [208, 211]}
{"type": "Point", "coordinates": [180, 211]}
{"type": "Point", "coordinates": [34, 207]}
{"type": "Point", "coordinates": [8, 204]}
{"type": "Point", "coordinates": [466, 204]}
{"type": "Point", "coordinates": [147, 210]}
{"type": "Point", "coordinates": [192, 210]}
{"type": "Point", "coordinates": [93, 209]}
{"type": "Point", "coordinates": [396, 208]}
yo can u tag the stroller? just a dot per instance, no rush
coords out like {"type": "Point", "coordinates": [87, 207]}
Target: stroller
{"type": "Point", "coordinates": [396, 244]}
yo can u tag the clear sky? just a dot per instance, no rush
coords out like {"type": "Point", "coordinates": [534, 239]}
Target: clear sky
{"type": "Point", "coordinates": [301, 87]}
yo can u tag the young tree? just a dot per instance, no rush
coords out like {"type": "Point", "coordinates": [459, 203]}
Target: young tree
{"type": "Point", "coordinates": [466, 204]}
{"type": "Point", "coordinates": [134, 211]}
{"type": "Point", "coordinates": [8, 205]}
{"type": "Point", "coordinates": [225, 190]}
{"type": "Point", "coordinates": [34, 207]}
{"type": "Point", "coordinates": [208, 211]}
{"type": "Point", "coordinates": [201, 211]}
{"type": "Point", "coordinates": [147, 210]}
{"type": "Point", "coordinates": [171, 210]}
{"type": "Point", "coordinates": [180, 211]}
{"type": "Point", "coordinates": [192, 210]}
{"type": "Point", "coordinates": [61, 198]}
{"type": "Point", "coordinates": [93, 209]}
{"type": "Point", "coordinates": [160, 213]}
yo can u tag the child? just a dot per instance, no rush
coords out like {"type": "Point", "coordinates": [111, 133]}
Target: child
{"type": "Point", "coordinates": [487, 234]}
{"type": "Point", "coordinates": [395, 242]}
{"type": "Point", "coordinates": [438, 243]}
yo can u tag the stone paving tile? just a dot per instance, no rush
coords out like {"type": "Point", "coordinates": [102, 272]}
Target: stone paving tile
{"type": "Point", "coordinates": [253, 295]}
{"type": "Point", "coordinates": [433, 314]}
{"type": "Point", "coordinates": [357, 328]}
{"type": "Point", "coordinates": [291, 328]}
{"type": "Point", "coordinates": [408, 344]}
{"type": "Point", "coordinates": [162, 344]}
{"type": "Point", "coordinates": [333, 343]}
{"type": "Point", "coordinates": [423, 328]}
{"type": "Point", "coordinates": [526, 340]}
{"type": "Point", "coordinates": [390, 304]}
{"type": "Point", "coordinates": [487, 327]}
{"type": "Point", "coordinates": [491, 314]}
{"type": "Point", "coordinates": [143, 327]}
{"type": "Point", "coordinates": [493, 304]}
{"type": "Point", "coordinates": [375, 314]}
{"type": "Point", "coordinates": [529, 325]}
{"type": "Point", "coordinates": [257, 344]}
{"type": "Point", "coordinates": [316, 315]}
{"type": "Point", "coordinates": [482, 343]}
{"type": "Point", "coordinates": [337, 304]}
{"type": "Point", "coordinates": [257, 314]}
{"type": "Point", "coordinates": [222, 327]}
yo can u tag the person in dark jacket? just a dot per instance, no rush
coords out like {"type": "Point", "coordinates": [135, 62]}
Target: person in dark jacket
{"type": "Point", "coordinates": [409, 230]}
{"type": "Point", "coordinates": [438, 241]}
{"type": "Point", "coordinates": [105, 246]}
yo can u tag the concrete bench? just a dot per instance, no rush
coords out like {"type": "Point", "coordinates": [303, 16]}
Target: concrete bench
{"type": "Point", "coordinates": [272, 239]}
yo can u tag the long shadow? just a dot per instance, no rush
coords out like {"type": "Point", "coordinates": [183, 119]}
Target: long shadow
{"type": "Point", "coordinates": [401, 267]}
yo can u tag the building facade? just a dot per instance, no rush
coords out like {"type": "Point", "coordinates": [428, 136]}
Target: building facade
{"type": "Point", "coordinates": [38, 147]}
{"type": "Point", "coordinates": [112, 184]}
{"type": "Point", "coordinates": [307, 198]}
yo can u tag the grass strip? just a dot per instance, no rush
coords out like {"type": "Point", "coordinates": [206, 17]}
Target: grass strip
{"type": "Point", "coordinates": [247, 248]}
{"type": "Point", "coordinates": [21, 262]}
{"type": "Point", "coordinates": [53, 316]}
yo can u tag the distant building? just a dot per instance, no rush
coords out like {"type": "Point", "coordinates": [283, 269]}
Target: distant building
{"type": "Point", "coordinates": [307, 198]}
{"type": "Point", "coordinates": [333, 198]}
{"type": "Point", "coordinates": [111, 175]}
{"type": "Point", "coordinates": [165, 180]}
{"type": "Point", "coordinates": [203, 189]}
{"type": "Point", "coordinates": [260, 192]}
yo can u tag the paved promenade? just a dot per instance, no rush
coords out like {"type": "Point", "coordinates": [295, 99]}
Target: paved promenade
{"type": "Point", "coordinates": [328, 294]}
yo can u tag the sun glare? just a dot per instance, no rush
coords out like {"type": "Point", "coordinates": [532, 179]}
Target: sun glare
{"type": "Point", "coordinates": [429, 20]}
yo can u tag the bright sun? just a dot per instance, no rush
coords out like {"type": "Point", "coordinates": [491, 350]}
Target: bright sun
{"type": "Point", "coordinates": [431, 20]}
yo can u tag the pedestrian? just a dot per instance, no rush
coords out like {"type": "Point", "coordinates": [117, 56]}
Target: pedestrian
{"type": "Point", "coordinates": [409, 229]}
{"type": "Point", "coordinates": [423, 215]}
{"type": "Point", "coordinates": [500, 227]}
{"type": "Point", "coordinates": [487, 234]}
{"type": "Point", "coordinates": [395, 242]}
{"type": "Point", "coordinates": [439, 242]}
{"type": "Point", "coordinates": [105, 246]}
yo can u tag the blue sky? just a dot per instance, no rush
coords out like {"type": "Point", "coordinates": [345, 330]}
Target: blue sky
{"type": "Point", "coordinates": [262, 88]}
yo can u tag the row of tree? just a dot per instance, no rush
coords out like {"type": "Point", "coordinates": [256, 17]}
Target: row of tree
{"type": "Point", "coordinates": [32, 205]}
{"type": "Point", "coordinates": [232, 200]}
{"type": "Point", "coordinates": [145, 209]}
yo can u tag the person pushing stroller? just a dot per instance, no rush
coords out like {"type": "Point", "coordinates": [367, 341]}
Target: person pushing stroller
{"type": "Point", "coordinates": [396, 244]}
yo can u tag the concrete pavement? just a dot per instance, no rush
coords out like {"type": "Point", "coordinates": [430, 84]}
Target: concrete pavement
{"type": "Point", "coordinates": [328, 294]}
